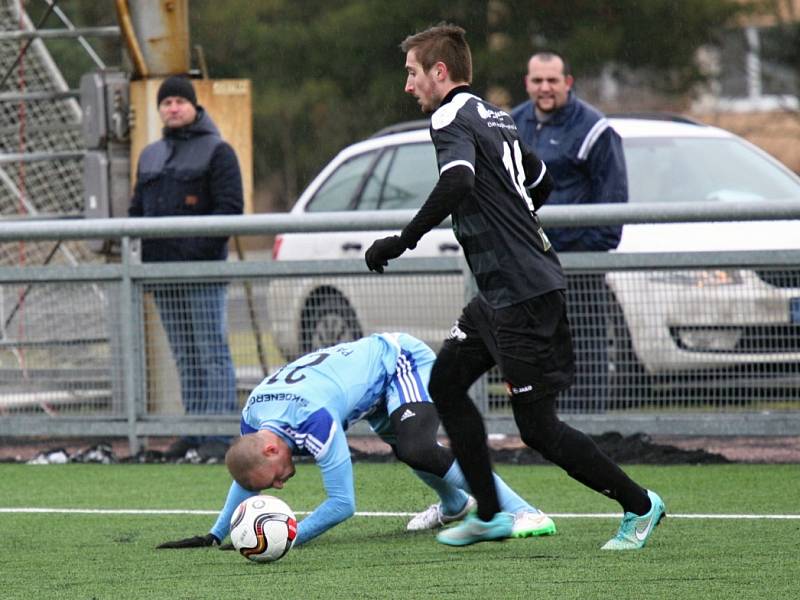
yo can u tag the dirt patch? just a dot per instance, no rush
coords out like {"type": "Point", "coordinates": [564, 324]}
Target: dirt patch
{"type": "Point", "coordinates": [639, 448]}
{"type": "Point", "coordinates": [632, 449]}
{"type": "Point", "coordinates": [762, 450]}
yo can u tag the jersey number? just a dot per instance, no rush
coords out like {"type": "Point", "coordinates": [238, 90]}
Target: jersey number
{"type": "Point", "coordinates": [292, 376]}
{"type": "Point", "coordinates": [512, 161]}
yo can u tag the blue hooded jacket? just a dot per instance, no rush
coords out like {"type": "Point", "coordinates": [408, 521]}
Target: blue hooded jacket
{"type": "Point", "coordinates": [584, 155]}
{"type": "Point", "coordinates": [191, 171]}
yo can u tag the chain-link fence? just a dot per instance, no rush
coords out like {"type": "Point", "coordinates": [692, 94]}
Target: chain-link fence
{"type": "Point", "coordinates": [705, 342]}
{"type": "Point", "coordinates": [58, 354]}
{"type": "Point", "coordinates": [55, 350]}
{"type": "Point", "coordinates": [38, 119]}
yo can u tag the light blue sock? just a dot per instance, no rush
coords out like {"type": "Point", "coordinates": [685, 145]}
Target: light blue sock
{"type": "Point", "coordinates": [452, 498]}
{"type": "Point", "coordinates": [510, 501]}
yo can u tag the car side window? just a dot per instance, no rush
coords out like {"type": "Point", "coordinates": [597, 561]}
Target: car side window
{"type": "Point", "coordinates": [402, 179]}
{"type": "Point", "coordinates": [339, 190]}
{"type": "Point", "coordinates": [411, 177]}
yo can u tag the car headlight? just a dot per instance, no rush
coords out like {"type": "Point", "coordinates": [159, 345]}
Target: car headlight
{"type": "Point", "coordinates": [707, 339]}
{"type": "Point", "coordinates": [699, 279]}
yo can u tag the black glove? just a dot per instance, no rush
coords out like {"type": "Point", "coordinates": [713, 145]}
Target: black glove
{"type": "Point", "coordinates": [382, 251]}
{"type": "Point", "coordinates": [198, 541]}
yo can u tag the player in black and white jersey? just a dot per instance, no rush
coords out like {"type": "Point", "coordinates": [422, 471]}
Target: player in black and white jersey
{"type": "Point", "coordinates": [492, 185]}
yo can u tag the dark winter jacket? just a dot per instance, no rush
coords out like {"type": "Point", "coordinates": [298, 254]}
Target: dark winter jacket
{"type": "Point", "coordinates": [584, 156]}
{"type": "Point", "coordinates": [191, 171]}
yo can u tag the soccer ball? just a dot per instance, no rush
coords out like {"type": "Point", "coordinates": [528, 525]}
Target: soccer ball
{"type": "Point", "coordinates": [263, 528]}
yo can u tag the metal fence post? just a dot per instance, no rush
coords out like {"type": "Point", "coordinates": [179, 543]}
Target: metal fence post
{"type": "Point", "coordinates": [128, 345]}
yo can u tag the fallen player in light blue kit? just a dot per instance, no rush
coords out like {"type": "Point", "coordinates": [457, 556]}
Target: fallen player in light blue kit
{"type": "Point", "coordinates": [306, 408]}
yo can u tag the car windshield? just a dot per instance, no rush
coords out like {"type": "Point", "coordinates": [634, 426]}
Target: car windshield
{"type": "Point", "coordinates": [395, 177]}
{"type": "Point", "coordinates": [402, 179]}
{"type": "Point", "coordinates": [702, 169]}
{"type": "Point", "coordinates": [338, 191]}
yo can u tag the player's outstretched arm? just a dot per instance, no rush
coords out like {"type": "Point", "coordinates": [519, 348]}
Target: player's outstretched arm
{"type": "Point", "coordinates": [453, 185]}
{"type": "Point", "coordinates": [337, 478]}
{"type": "Point", "coordinates": [198, 541]}
{"type": "Point", "coordinates": [236, 495]}
{"type": "Point", "coordinates": [339, 506]}
{"type": "Point", "coordinates": [382, 251]}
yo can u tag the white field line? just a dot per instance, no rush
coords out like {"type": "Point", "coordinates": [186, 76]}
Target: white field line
{"type": "Point", "coordinates": [155, 511]}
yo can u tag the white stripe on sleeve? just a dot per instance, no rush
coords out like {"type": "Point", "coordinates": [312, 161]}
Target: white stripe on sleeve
{"type": "Point", "coordinates": [594, 133]}
{"type": "Point", "coordinates": [541, 176]}
{"type": "Point", "coordinates": [457, 163]}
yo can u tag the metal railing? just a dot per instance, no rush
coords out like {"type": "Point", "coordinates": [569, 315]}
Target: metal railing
{"type": "Point", "coordinates": [88, 364]}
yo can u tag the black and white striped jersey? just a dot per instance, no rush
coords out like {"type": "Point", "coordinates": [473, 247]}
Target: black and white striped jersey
{"type": "Point", "coordinates": [496, 224]}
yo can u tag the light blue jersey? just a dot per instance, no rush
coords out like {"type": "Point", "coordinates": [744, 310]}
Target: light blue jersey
{"type": "Point", "coordinates": [312, 401]}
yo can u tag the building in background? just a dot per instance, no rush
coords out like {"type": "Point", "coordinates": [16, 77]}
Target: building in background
{"type": "Point", "coordinates": [755, 80]}
{"type": "Point", "coordinates": [752, 82]}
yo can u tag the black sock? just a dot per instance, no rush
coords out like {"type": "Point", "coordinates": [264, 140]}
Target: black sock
{"type": "Point", "coordinates": [577, 454]}
{"type": "Point", "coordinates": [585, 462]}
{"type": "Point", "coordinates": [467, 436]}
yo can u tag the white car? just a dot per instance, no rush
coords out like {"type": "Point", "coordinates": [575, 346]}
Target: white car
{"type": "Point", "coordinates": [392, 170]}
{"type": "Point", "coordinates": [661, 321]}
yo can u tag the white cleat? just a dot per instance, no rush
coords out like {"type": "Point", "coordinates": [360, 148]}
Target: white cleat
{"type": "Point", "coordinates": [532, 524]}
{"type": "Point", "coordinates": [434, 518]}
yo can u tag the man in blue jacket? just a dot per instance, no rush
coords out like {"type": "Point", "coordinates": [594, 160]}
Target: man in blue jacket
{"type": "Point", "coordinates": [191, 171]}
{"type": "Point", "coordinates": [585, 158]}
{"type": "Point", "coordinates": [581, 150]}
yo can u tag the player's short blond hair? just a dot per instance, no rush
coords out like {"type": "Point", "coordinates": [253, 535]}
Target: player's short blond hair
{"type": "Point", "coordinates": [243, 457]}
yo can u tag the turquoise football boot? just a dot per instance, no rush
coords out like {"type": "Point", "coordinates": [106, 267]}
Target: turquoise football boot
{"type": "Point", "coordinates": [635, 530]}
{"type": "Point", "coordinates": [472, 530]}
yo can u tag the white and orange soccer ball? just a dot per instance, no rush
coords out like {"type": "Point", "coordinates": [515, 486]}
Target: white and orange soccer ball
{"type": "Point", "coordinates": [263, 528]}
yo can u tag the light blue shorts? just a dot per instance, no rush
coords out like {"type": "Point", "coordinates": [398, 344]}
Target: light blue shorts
{"type": "Point", "coordinates": [408, 385]}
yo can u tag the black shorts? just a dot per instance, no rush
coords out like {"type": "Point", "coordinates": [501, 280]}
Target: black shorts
{"type": "Point", "coordinates": [529, 341]}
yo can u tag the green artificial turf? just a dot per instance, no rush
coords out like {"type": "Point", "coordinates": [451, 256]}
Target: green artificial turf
{"type": "Point", "coordinates": [112, 556]}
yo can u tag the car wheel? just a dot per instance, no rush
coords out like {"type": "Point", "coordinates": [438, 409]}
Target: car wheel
{"type": "Point", "coordinates": [327, 320]}
{"type": "Point", "coordinates": [629, 383]}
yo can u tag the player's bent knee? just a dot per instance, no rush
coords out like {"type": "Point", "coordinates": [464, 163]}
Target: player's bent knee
{"type": "Point", "coordinates": [421, 457]}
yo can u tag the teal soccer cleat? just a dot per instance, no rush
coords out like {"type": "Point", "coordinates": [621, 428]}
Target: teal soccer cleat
{"type": "Point", "coordinates": [635, 530]}
{"type": "Point", "coordinates": [472, 530]}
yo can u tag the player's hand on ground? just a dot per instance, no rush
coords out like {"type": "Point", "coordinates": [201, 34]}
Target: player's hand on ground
{"type": "Point", "coordinates": [198, 541]}
{"type": "Point", "coordinates": [382, 251]}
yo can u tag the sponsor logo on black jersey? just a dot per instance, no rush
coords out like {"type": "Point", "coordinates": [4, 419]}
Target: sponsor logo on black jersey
{"type": "Point", "coordinates": [514, 391]}
{"type": "Point", "coordinates": [496, 118]}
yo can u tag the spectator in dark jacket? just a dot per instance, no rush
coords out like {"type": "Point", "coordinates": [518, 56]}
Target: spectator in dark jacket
{"type": "Point", "coordinates": [191, 171]}
{"type": "Point", "coordinates": [585, 158]}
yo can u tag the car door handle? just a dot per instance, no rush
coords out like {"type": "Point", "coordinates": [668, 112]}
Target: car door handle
{"type": "Point", "coordinates": [448, 247]}
{"type": "Point", "coordinates": [349, 246]}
